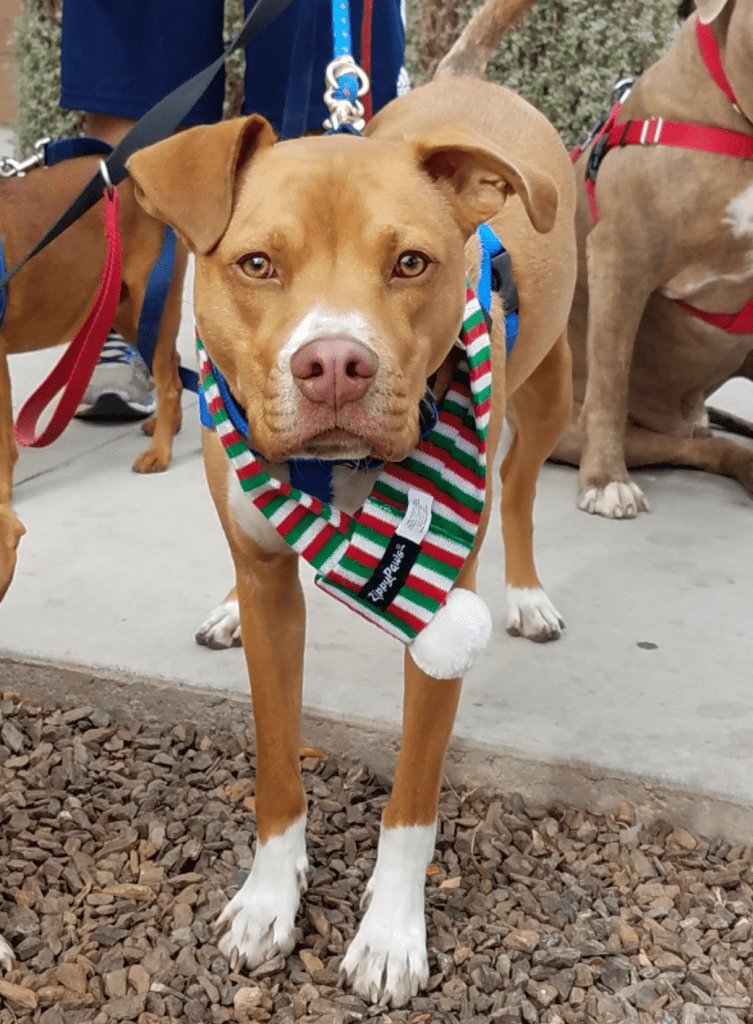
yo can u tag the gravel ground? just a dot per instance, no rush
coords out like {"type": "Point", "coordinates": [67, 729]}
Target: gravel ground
{"type": "Point", "coordinates": [121, 840]}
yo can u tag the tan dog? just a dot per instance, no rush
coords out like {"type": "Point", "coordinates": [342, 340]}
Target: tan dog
{"type": "Point", "coordinates": [49, 297]}
{"type": "Point", "coordinates": [673, 224]}
{"type": "Point", "coordinates": [330, 285]}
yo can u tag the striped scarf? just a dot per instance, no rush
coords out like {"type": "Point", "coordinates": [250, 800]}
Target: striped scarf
{"type": "Point", "coordinates": [396, 559]}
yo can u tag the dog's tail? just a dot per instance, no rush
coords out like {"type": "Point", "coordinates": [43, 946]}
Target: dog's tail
{"type": "Point", "coordinates": [478, 41]}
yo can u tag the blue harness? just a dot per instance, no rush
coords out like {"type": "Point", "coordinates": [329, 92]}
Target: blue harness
{"type": "Point", "coordinates": [314, 476]}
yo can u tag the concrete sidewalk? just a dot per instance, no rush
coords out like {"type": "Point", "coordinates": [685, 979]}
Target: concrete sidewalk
{"type": "Point", "coordinates": [647, 697]}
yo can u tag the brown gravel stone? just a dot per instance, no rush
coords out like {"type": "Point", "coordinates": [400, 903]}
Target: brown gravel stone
{"type": "Point", "coordinates": [121, 841]}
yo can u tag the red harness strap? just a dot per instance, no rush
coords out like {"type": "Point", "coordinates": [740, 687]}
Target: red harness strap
{"type": "Point", "coordinates": [655, 130]}
{"type": "Point", "coordinates": [368, 13]}
{"type": "Point", "coordinates": [712, 58]}
{"type": "Point", "coordinates": [73, 372]}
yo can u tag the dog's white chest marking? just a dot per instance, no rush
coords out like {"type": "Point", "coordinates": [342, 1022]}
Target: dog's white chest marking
{"type": "Point", "coordinates": [247, 515]}
{"type": "Point", "coordinates": [739, 220]}
{"type": "Point", "coordinates": [260, 917]}
{"type": "Point", "coordinates": [739, 217]}
{"type": "Point", "coordinates": [386, 961]}
{"type": "Point", "coordinates": [350, 488]}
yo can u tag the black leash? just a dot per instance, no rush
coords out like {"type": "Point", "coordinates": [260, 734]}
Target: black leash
{"type": "Point", "coordinates": [157, 124]}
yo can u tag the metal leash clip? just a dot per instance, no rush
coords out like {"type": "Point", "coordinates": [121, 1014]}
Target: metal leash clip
{"type": "Point", "coordinates": [10, 168]}
{"type": "Point", "coordinates": [344, 111]}
{"type": "Point", "coordinates": [621, 89]}
{"type": "Point", "coordinates": [105, 176]}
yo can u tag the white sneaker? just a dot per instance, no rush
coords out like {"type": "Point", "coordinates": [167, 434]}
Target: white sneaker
{"type": "Point", "coordinates": [121, 385]}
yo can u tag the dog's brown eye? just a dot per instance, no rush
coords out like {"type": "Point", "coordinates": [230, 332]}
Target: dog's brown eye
{"type": "Point", "coordinates": [258, 265]}
{"type": "Point", "coordinates": [411, 264]}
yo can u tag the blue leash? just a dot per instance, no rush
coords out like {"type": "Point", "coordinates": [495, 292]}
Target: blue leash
{"type": "Point", "coordinates": [55, 151]}
{"type": "Point", "coordinates": [342, 45]}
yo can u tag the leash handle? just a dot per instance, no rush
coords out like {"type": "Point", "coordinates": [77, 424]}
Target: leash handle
{"type": "Point", "coordinates": [74, 370]}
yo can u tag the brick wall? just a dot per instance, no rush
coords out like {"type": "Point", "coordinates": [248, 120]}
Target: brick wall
{"type": "Point", "coordinates": [9, 11]}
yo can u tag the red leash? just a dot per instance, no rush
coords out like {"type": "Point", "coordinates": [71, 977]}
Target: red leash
{"type": "Point", "coordinates": [368, 101]}
{"type": "Point", "coordinates": [73, 372]}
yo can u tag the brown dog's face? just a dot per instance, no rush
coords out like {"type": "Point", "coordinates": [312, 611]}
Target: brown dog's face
{"type": "Point", "coordinates": [330, 271]}
{"type": "Point", "coordinates": [335, 291]}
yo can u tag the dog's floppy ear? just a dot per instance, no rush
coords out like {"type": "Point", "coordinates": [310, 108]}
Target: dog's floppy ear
{"type": "Point", "coordinates": [709, 9]}
{"type": "Point", "coordinates": [481, 177]}
{"type": "Point", "coordinates": [188, 180]}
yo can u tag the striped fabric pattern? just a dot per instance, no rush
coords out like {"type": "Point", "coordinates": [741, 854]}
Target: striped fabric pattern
{"type": "Point", "coordinates": [449, 466]}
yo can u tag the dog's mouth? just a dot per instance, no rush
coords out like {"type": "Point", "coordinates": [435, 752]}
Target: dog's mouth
{"type": "Point", "coordinates": [337, 443]}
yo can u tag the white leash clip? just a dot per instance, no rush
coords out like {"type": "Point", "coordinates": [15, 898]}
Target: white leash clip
{"type": "Point", "coordinates": [105, 175]}
{"type": "Point", "coordinates": [10, 168]}
{"type": "Point", "coordinates": [343, 111]}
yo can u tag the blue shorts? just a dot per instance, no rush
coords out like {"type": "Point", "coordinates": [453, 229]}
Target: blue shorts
{"type": "Point", "coordinates": [123, 57]}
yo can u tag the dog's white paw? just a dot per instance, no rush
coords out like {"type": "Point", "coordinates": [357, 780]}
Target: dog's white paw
{"type": "Point", "coordinates": [531, 614]}
{"type": "Point", "coordinates": [222, 629]}
{"type": "Point", "coordinates": [386, 961]}
{"type": "Point", "coordinates": [6, 954]}
{"type": "Point", "coordinates": [615, 501]}
{"type": "Point", "coordinates": [258, 921]}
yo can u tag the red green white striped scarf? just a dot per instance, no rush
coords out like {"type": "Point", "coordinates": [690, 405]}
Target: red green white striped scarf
{"type": "Point", "coordinates": [396, 559]}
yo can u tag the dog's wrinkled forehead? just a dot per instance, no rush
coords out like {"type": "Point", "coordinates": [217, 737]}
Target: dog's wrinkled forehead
{"type": "Point", "coordinates": [337, 188]}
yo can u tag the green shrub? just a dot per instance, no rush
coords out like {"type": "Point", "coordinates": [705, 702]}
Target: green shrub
{"type": "Point", "coordinates": [567, 56]}
{"type": "Point", "coordinates": [38, 50]}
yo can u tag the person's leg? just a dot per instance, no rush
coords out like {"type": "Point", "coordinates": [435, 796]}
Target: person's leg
{"type": "Point", "coordinates": [143, 51]}
{"type": "Point", "coordinates": [109, 127]}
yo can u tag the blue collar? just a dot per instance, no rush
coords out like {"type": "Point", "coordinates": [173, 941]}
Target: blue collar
{"type": "Point", "coordinates": [495, 265]}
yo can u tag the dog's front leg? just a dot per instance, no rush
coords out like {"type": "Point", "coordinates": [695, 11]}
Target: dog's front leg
{"type": "Point", "coordinates": [387, 961]}
{"type": "Point", "coordinates": [618, 292]}
{"type": "Point", "coordinates": [165, 370]}
{"type": "Point", "coordinates": [11, 527]}
{"type": "Point", "coordinates": [259, 920]}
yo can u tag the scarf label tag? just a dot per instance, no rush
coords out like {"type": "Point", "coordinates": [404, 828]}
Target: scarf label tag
{"type": "Point", "coordinates": [417, 519]}
{"type": "Point", "coordinates": [391, 573]}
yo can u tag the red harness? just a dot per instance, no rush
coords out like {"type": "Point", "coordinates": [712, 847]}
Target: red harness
{"type": "Point", "coordinates": [656, 130]}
